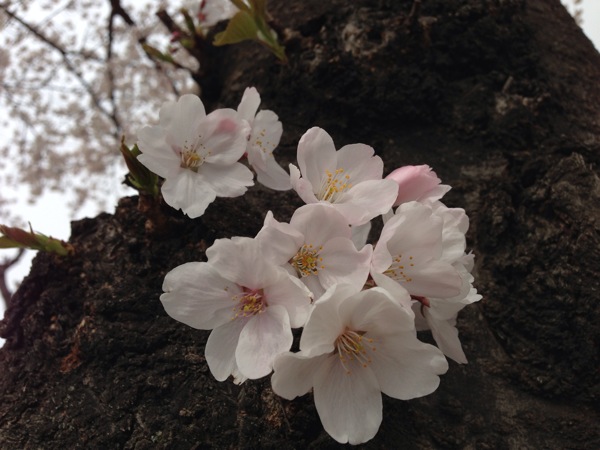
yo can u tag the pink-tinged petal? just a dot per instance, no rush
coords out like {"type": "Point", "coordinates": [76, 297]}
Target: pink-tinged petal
{"type": "Point", "coordinates": [198, 296]}
{"type": "Point", "coordinates": [273, 176]}
{"type": "Point", "coordinates": [187, 193]}
{"type": "Point", "coordinates": [349, 405]}
{"type": "Point", "coordinates": [405, 367]}
{"type": "Point", "coordinates": [367, 200]}
{"type": "Point", "coordinates": [290, 293]}
{"type": "Point", "coordinates": [397, 292]}
{"type": "Point", "coordinates": [224, 137]}
{"type": "Point", "coordinates": [302, 186]}
{"type": "Point", "coordinates": [220, 349]}
{"type": "Point", "coordinates": [414, 182]}
{"type": "Point", "coordinates": [240, 260]}
{"type": "Point", "coordinates": [293, 374]}
{"type": "Point", "coordinates": [265, 336]}
{"type": "Point", "coordinates": [279, 240]}
{"type": "Point", "coordinates": [227, 181]}
{"type": "Point", "coordinates": [342, 263]}
{"type": "Point", "coordinates": [316, 154]}
{"type": "Point", "coordinates": [358, 162]}
{"type": "Point", "coordinates": [446, 337]}
{"type": "Point", "coordinates": [319, 223]}
{"type": "Point", "coordinates": [249, 104]}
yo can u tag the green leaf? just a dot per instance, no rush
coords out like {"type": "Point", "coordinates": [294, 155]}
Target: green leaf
{"type": "Point", "coordinates": [139, 176]}
{"type": "Point", "coordinates": [241, 27]}
{"type": "Point", "coordinates": [155, 53]}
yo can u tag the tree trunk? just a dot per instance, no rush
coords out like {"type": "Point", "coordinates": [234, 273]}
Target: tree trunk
{"type": "Point", "coordinates": [500, 97]}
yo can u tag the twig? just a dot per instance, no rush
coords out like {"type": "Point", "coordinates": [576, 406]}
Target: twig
{"type": "Point", "coordinates": [6, 294]}
{"type": "Point", "coordinates": [68, 64]}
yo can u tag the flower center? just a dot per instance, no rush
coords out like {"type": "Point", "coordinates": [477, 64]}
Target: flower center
{"type": "Point", "coordinates": [190, 159]}
{"type": "Point", "coordinates": [249, 303]}
{"type": "Point", "coordinates": [307, 261]}
{"type": "Point", "coordinates": [397, 270]}
{"type": "Point", "coordinates": [353, 348]}
{"type": "Point", "coordinates": [192, 154]}
{"type": "Point", "coordinates": [334, 185]}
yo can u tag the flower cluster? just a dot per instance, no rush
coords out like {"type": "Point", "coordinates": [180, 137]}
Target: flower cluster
{"type": "Point", "coordinates": [198, 154]}
{"type": "Point", "coordinates": [359, 305]}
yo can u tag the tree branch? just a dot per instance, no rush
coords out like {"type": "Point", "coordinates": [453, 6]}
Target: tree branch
{"type": "Point", "coordinates": [69, 65]}
{"type": "Point", "coordinates": [7, 264]}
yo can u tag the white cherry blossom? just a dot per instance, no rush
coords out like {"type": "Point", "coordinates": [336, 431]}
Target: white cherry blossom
{"type": "Point", "coordinates": [196, 154]}
{"type": "Point", "coordinates": [250, 304]}
{"type": "Point", "coordinates": [439, 314]}
{"type": "Point", "coordinates": [349, 179]}
{"type": "Point", "coordinates": [264, 137]}
{"type": "Point", "coordinates": [354, 347]}
{"type": "Point", "coordinates": [409, 254]}
{"type": "Point", "coordinates": [316, 246]}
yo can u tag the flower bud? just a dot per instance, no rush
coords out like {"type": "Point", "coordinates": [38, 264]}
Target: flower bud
{"type": "Point", "coordinates": [417, 183]}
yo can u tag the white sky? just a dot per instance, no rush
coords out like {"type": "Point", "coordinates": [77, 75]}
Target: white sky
{"type": "Point", "coordinates": [51, 215]}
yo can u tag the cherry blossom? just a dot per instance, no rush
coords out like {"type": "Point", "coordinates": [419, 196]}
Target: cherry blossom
{"type": "Point", "coordinates": [354, 347]}
{"type": "Point", "coordinates": [349, 179]}
{"type": "Point", "coordinates": [409, 254]}
{"type": "Point", "coordinates": [250, 304]}
{"type": "Point", "coordinates": [439, 314]}
{"type": "Point", "coordinates": [417, 183]}
{"type": "Point", "coordinates": [264, 136]}
{"type": "Point", "coordinates": [316, 246]}
{"type": "Point", "coordinates": [196, 154]}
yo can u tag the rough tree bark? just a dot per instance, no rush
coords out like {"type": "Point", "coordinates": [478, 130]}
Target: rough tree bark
{"type": "Point", "coordinates": [501, 97]}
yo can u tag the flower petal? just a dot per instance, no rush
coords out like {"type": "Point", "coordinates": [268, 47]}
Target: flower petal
{"type": "Point", "coordinates": [316, 154]}
{"type": "Point", "coordinates": [324, 324]}
{"type": "Point", "coordinates": [290, 293]}
{"type": "Point", "coordinates": [220, 349]}
{"type": "Point", "coordinates": [279, 240]}
{"type": "Point", "coordinates": [273, 175]}
{"type": "Point", "coordinates": [224, 137]}
{"type": "Point", "coordinates": [302, 186]}
{"type": "Point", "coordinates": [319, 223]}
{"type": "Point", "coordinates": [349, 405]}
{"type": "Point", "coordinates": [265, 336]}
{"type": "Point", "coordinates": [227, 181]}
{"type": "Point", "coordinates": [405, 367]}
{"type": "Point", "coordinates": [188, 193]}
{"type": "Point", "coordinates": [342, 263]}
{"type": "Point", "coordinates": [249, 104]}
{"type": "Point", "coordinates": [293, 374]}
{"type": "Point", "coordinates": [367, 200]}
{"type": "Point", "coordinates": [198, 296]}
{"type": "Point", "coordinates": [358, 162]}
{"type": "Point", "coordinates": [240, 260]}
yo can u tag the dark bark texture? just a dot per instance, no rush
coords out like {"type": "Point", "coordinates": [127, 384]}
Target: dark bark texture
{"type": "Point", "coordinates": [500, 97]}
